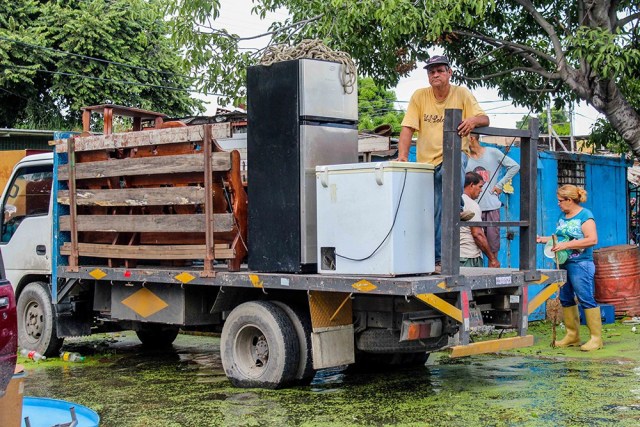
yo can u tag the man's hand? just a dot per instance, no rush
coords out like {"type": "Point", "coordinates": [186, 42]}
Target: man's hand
{"type": "Point", "coordinates": [469, 124]}
{"type": "Point", "coordinates": [497, 190]}
{"type": "Point", "coordinates": [494, 263]}
{"type": "Point", "coordinates": [401, 159]}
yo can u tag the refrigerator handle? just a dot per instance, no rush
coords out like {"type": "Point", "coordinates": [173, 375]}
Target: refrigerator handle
{"type": "Point", "coordinates": [324, 177]}
{"type": "Point", "coordinates": [379, 173]}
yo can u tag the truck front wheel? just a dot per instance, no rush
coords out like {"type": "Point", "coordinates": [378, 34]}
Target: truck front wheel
{"type": "Point", "coordinates": [36, 322]}
{"type": "Point", "coordinates": [259, 346]}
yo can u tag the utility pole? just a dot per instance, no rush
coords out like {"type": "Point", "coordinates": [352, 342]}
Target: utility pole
{"type": "Point", "coordinates": [571, 127]}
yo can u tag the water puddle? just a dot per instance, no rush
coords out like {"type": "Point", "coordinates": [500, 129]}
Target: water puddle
{"type": "Point", "coordinates": [186, 386]}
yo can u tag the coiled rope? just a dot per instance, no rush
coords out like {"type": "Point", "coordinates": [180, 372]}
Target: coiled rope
{"type": "Point", "coordinates": [314, 49]}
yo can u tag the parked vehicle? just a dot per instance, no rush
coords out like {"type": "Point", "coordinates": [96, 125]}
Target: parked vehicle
{"type": "Point", "coordinates": [147, 231]}
{"type": "Point", "coordinates": [8, 331]}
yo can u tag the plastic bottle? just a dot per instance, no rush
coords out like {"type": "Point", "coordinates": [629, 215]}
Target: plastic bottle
{"type": "Point", "coordinates": [70, 356]}
{"type": "Point", "coordinates": [32, 354]}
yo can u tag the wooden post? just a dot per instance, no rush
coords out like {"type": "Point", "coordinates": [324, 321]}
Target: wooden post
{"type": "Point", "coordinates": [107, 116]}
{"type": "Point", "coordinates": [86, 120]}
{"type": "Point", "coordinates": [208, 204]}
{"type": "Point", "coordinates": [73, 214]}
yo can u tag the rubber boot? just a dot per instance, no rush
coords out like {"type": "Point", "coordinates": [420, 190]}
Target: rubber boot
{"type": "Point", "coordinates": [594, 322]}
{"type": "Point", "coordinates": [572, 323]}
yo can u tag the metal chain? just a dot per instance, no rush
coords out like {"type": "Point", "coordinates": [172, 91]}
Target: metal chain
{"type": "Point", "coordinates": [314, 49]}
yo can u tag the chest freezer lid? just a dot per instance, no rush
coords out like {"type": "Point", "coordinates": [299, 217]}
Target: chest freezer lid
{"type": "Point", "coordinates": [388, 166]}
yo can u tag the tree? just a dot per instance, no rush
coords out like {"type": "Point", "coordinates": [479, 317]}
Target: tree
{"type": "Point", "coordinates": [376, 106]}
{"type": "Point", "coordinates": [583, 49]}
{"type": "Point", "coordinates": [559, 121]}
{"type": "Point", "coordinates": [46, 73]}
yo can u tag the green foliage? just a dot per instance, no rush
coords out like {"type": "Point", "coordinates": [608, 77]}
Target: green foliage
{"type": "Point", "coordinates": [572, 49]}
{"type": "Point", "coordinates": [559, 121]}
{"type": "Point", "coordinates": [376, 106]}
{"type": "Point", "coordinates": [47, 88]}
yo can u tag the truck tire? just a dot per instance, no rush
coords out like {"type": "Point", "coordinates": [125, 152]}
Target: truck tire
{"type": "Point", "coordinates": [259, 346]}
{"type": "Point", "coordinates": [302, 324]}
{"type": "Point", "coordinates": [155, 335]}
{"type": "Point", "coordinates": [36, 322]}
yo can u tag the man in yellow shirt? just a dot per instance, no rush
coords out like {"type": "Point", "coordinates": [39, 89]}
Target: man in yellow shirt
{"type": "Point", "coordinates": [425, 115]}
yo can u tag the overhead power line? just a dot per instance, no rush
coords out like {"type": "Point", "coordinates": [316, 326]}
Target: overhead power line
{"type": "Point", "coordinates": [126, 82]}
{"type": "Point", "coordinates": [91, 58]}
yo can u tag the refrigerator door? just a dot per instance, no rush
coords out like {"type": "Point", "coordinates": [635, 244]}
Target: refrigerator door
{"type": "Point", "coordinates": [322, 96]}
{"type": "Point", "coordinates": [319, 145]}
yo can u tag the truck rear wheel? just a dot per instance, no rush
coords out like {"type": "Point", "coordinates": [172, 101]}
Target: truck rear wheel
{"type": "Point", "coordinates": [154, 335]}
{"type": "Point", "coordinates": [259, 346]}
{"type": "Point", "coordinates": [302, 324]}
{"type": "Point", "coordinates": [36, 322]}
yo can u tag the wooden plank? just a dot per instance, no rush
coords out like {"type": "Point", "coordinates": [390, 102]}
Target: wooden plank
{"type": "Point", "coordinates": [192, 223]}
{"type": "Point", "coordinates": [491, 346]}
{"type": "Point", "coordinates": [131, 166]}
{"type": "Point", "coordinates": [145, 138]}
{"type": "Point", "coordinates": [369, 143]}
{"type": "Point", "coordinates": [136, 196]}
{"type": "Point", "coordinates": [159, 252]}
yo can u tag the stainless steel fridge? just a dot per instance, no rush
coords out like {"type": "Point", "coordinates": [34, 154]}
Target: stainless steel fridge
{"type": "Point", "coordinates": [299, 117]}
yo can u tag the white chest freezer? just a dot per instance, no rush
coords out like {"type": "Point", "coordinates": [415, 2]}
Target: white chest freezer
{"type": "Point", "coordinates": [375, 218]}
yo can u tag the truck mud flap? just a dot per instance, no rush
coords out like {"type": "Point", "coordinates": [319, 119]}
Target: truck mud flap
{"type": "Point", "coordinates": [332, 339]}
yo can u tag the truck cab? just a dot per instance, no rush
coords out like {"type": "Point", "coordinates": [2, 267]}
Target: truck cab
{"type": "Point", "coordinates": [25, 244]}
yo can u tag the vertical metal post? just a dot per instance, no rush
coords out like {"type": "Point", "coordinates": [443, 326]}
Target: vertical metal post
{"type": "Point", "coordinates": [73, 211]}
{"type": "Point", "coordinates": [465, 327]}
{"type": "Point", "coordinates": [208, 204]}
{"type": "Point", "coordinates": [451, 185]}
{"type": "Point", "coordinates": [528, 201]}
{"type": "Point", "coordinates": [523, 311]}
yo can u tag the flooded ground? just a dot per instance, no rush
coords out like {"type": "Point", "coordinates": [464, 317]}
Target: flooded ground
{"type": "Point", "coordinates": [186, 386]}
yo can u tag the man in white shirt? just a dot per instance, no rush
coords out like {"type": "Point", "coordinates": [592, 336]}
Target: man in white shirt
{"type": "Point", "coordinates": [473, 242]}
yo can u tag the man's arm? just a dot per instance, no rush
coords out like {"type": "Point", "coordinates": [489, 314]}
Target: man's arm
{"type": "Point", "coordinates": [483, 244]}
{"type": "Point", "coordinates": [512, 168]}
{"type": "Point", "coordinates": [469, 124]}
{"type": "Point", "coordinates": [404, 143]}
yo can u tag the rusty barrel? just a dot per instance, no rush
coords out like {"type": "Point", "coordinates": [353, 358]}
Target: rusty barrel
{"type": "Point", "coordinates": [618, 278]}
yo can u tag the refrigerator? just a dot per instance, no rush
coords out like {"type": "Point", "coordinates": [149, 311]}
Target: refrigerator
{"type": "Point", "coordinates": [299, 117]}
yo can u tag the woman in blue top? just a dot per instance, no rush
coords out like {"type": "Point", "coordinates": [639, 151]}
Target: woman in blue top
{"type": "Point", "coordinates": [576, 232]}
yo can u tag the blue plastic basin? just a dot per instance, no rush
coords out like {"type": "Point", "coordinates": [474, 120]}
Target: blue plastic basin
{"type": "Point", "coordinates": [43, 412]}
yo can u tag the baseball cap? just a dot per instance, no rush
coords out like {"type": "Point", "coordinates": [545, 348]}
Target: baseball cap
{"type": "Point", "coordinates": [437, 60]}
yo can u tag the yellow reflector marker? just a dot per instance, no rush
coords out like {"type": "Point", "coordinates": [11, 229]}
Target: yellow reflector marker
{"type": "Point", "coordinates": [542, 296]}
{"type": "Point", "coordinates": [543, 279]}
{"type": "Point", "coordinates": [184, 277]}
{"type": "Point", "coordinates": [491, 346]}
{"type": "Point", "coordinates": [441, 305]}
{"type": "Point", "coordinates": [443, 285]}
{"type": "Point", "coordinates": [97, 274]}
{"type": "Point", "coordinates": [364, 286]}
{"type": "Point", "coordinates": [255, 281]}
{"type": "Point", "coordinates": [144, 302]}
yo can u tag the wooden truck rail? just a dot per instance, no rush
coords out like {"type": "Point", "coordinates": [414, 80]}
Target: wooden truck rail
{"type": "Point", "coordinates": [142, 197]}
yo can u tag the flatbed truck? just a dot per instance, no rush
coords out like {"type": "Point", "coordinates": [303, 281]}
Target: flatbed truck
{"type": "Point", "coordinates": [101, 236]}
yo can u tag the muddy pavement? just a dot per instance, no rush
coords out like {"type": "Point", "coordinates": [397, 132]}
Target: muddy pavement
{"type": "Point", "coordinates": [186, 386]}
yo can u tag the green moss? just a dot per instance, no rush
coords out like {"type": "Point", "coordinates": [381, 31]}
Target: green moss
{"type": "Point", "coordinates": [129, 386]}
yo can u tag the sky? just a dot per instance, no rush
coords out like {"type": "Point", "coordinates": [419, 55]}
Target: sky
{"type": "Point", "coordinates": [236, 17]}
